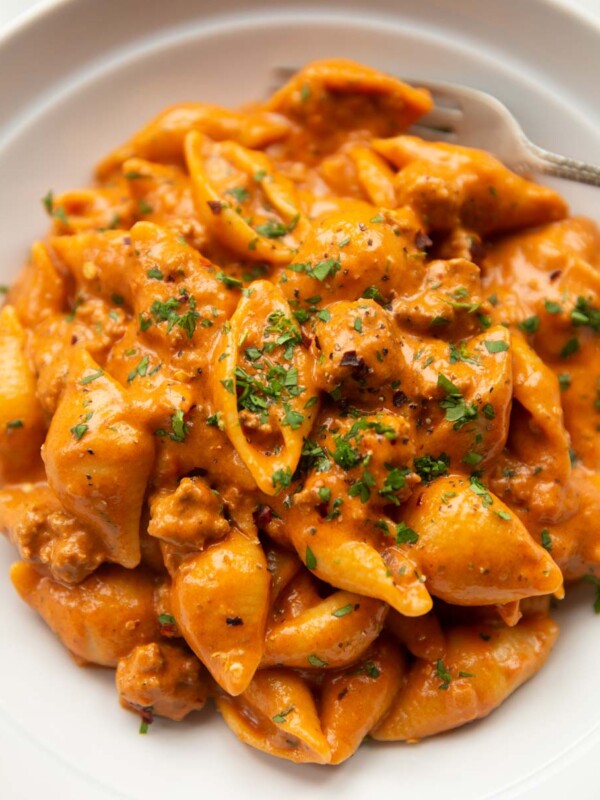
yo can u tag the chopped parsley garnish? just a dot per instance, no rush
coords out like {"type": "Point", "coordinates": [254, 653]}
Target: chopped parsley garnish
{"type": "Point", "coordinates": [155, 273]}
{"type": "Point", "coordinates": [481, 491]}
{"type": "Point", "coordinates": [82, 428]}
{"type": "Point", "coordinates": [280, 718]}
{"type": "Point", "coordinates": [394, 481]}
{"type": "Point", "coordinates": [373, 293]}
{"type": "Point", "coordinates": [144, 207]}
{"type": "Point", "coordinates": [362, 488]}
{"type": "Point", "coordinates": [343, 611]}
{"type": "Point", "coordinates": [141, 369]}
{"type": "Point", "coordinates": [281, 478]}
{"type": "Point", "coordinates": [546, 539]}
{"type": "Point", "coordinates": [530, 325]}
{"type": "Point", "coordinates": [472, 459]}
{"type": "Point", "coordinates": [461, 353]}
{"type": "Point", "coordinates": [93, 376]}
{"type": "Point", "coordinates": [310, 559]}
{"type": "Point", "coordinates": [595, 582]}
{"type": "Point", "coordinates": [324, 494]}
{"type": "Point", "coordinates": [552, 307]}
{"type": "Point", "coordinates": [564, 381]}
{"type": "Point", "coordinates": [315, 457]}
{"type": "Point", "coordinates": [166, 311]}
{"type": "Point", "coordinates": [291, 418]}
{"type": "Point", "coordinates": [321, 271]}
{"type": "Point", "coordinates": [315, 661]}
{"type": "Point", "coordinates": [570, 348]}
{"type": "Point", "coordinates": [441, 672]}
{"type": "Point", "coordinates": [13, 424]}
{"type": "Point", "coordinates": [457, 410]}
{"type": "Point", "coordinates": [228, 281]}
{"type": "Point", "coordinates": [179, 427]}
{"type": "Point", "coordinates": [344, 455]}
{"type": "Point", "coordinates": [495, 346]}
{"type": "Point", "coordinates": [240, 193]}
{"type": "Point", "coordinates": [335, 511]}
{"type": "Point", "coordinates": [166, 619]}
{"type": "Point", "coordinates": [488, 411]}
{"type": "Point", "coordinates": [428, 467]}
{"type": "Point", "coordinates": [405, 535]}
{"type": "Point", "coordinates": [585, 314]}
{"type": "Point", "coordinates": [358, 326]}
{"type": "Point", "coordinates": [54, 211]}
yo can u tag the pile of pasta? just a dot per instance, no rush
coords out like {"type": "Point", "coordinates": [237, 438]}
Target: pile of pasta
{"type": "Point", "coordinates": [301, 413]}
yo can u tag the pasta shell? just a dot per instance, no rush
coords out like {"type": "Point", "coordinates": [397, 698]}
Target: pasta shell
{"type": "Point", "coordinates": [277, 714]}
{"type": "Point", "coordinates": [482, 666]}
{"type": "Point", "coordinates": [472, 550]}
{"type": "Point", "coordinates": [220, 601]}
{"type": "Point", "coordinates": [354, 701]}
{"type": "Point", "coordinates": [21, 421]}
{"type": "Point", "coordinates": [99, 620]}
{"type": "Point", "coordinates": [333, 633]}
{"type": "Point", "coordinates": [98, 458]}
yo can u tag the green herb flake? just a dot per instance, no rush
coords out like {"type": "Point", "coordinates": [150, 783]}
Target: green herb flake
{"type": "Point", "coordinates": [240, 193]}
{"type": "Point", "coordinates": [405, 535]}
{"type": "Point", "coordinates": [343, 611]}
{"type": "Point", "coordinates": [552, 307]}
{"type": "Point", "coordinates": [281, 478]}
{"type": "Point", "coordinates": [141, 369]}
{"type": "Point", "coordinates": [93, 376]}
{"type": "Point", "coordinates": [428, 467]}
{"type": "Point", "coordinates": [570, 348]}
{"type": "Point", "coordinates": [179, 427]}
{"type": "Point", "coordinates": [441, 672]}
{"type": "Point", "coordinates": [325, 269]}
{"type": "Point", "coordinates": [155, 273]}
{"type": "Point", "coordinates": [324, 494]}
{"type": "Point", "coordinates": [144, 207]}
{"type": "Point", "coordinates": [13, 424]}
{"type": "Point", "coordinates": [315, 661]}
{"type": "Point", "coordinates": [530, 325]}
{"type": "Point", "coordinates": [595, 582]}
{"type": "Point", "coordinates": [358, 326]}
{"type": "Point", "coordinates": [272, 229]}
{"type": "Point", "coordinates": [546, 540]}
{"type": "Point", "coordinates": [280, 718]}
{"type": "Point", "coordinates": [472, 459]}
{"type": "Point", "coordinates": [228, 281]}
{"type": "Point", "coordinates": [495, 346]}
{"type": "Point", "coordinates": [585, 314]}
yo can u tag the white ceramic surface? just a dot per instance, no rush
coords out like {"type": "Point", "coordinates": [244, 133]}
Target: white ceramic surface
{"type": "Point", "coordinates": [73, 83]}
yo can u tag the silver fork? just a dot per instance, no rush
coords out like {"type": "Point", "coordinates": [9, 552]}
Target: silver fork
{"type": "Point", "coordinates": [469, 117]}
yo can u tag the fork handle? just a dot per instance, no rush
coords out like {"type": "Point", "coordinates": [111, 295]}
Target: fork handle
{"type": "Point", "coordinates": [548, 163]}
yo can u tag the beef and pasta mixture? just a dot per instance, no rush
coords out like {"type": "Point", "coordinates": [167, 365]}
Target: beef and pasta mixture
{"type": "Point", "coordinates": [300, 413]}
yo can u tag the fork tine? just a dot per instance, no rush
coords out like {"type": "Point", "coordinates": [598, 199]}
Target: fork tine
{"type": "Point", "coordinates": [439, 117]}
{"type": "Point", "coordinates": [433, 134]}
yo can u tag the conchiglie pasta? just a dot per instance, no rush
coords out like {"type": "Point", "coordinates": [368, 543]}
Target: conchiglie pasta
{"type": "Point", "coordinates": [301, 412]}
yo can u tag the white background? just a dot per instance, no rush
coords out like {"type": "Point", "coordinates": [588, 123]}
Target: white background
{"type": "Point", "coordinates": [11, 9]}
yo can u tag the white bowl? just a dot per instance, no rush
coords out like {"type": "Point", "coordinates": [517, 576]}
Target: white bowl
{"type": "Point", "coordinates": [75, 80]}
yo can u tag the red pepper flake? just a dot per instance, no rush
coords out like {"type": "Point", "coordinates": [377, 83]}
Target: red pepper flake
{"type": "Point", "coordinates": [350, 359]}
{"type": "Point", "coordinates": [262, 516]}
{"type": "Point", "coordinates": [215, 206]}
{"type": "Point", "coordinates": [422, 241]}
